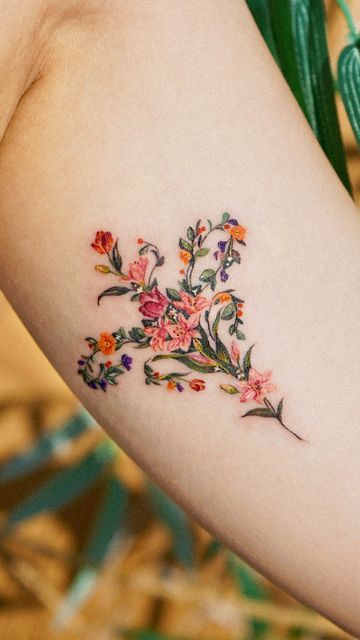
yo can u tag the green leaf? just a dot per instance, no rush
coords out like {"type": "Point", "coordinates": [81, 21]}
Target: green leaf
{"type": "Point", "coordinates": [239, 334]}
{"type": "Point", "coordinates": [207, 275]}
{"type": "Point", "coordinates": [63, 487]}
{"type": "Point", "coordinates": [172, 294]}
{"type": "Point", "coordinates": [190, 234]}
{"type": "Point", "coordinates": [183, 244]}
{"type": "Point", "coordinates": [222, 352]}
{"type": "Point", "coordinates": [247, 361]}
{"type": "Point", "coordinates": [202, 252]}
{"type": "Point", "coordinates": [228, 311]}
{"type": "Point", "coordinates": [349, 85]}
{"type": "Point", "coordinates": [261, 13]}
{"type": "Point", "coordinates": [177, 522]}
{"type": "Point", "coordinates": [144, 250]}
{"type": "Point", "coordinates": [280, 409]}
{"type": "Point", "coordinates": [186, 360]}
{"type": "Point", "coordinates": [114, 291]}
{"type": "Point", "coordinates": [104, 532]}
{"type": "Point", "coordinates": [116, 258]}
{"type": "Point", "coordinates": [225, 218]}
{"type": "Point", "coordinates": [261, 413]}
{"type": "Point", "coordinates": [229, 388]}
{"type": "Point", "coordinates": [46, 446]}
{"type": "Point", "coordinates": [137, 334]}
{"type": "Point", "coordinates": [215, 327]}
{"type": "Point", "coordinates": [323, 90]}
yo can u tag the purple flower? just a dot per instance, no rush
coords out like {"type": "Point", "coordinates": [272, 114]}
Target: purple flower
{"type": "Point", "coordinates": [179, 387]}
{"type": "Point", "coordinates": [103, 384]}
{"type": "Point", "coordinates": [126, 361]}
{"type": "Point", "coordinates": [233, 222]}
{"type": "Point", "coordinates": [93, 385]}
{"type": "Point", "coordinates": [223, 276]}
{"type": "Point", "coordinates": [81, 361]}
{"type": "Point", "coordinates": [222, 245]}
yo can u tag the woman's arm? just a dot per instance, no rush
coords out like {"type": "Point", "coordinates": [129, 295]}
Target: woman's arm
{"type": "Point", "coordinates": [149, 116]}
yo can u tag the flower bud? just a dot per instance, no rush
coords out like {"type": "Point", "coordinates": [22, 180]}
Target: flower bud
{"type": "Point", "coordinates": [102, 268]}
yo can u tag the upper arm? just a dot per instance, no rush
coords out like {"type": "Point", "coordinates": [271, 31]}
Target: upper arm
{"type": "Point", "coordinates": [135, 128]}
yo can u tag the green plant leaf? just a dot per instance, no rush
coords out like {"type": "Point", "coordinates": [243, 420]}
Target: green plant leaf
{"type": "Point", "coordinates": [247, 361]}
{"type": "Point", "coordinates": [261, 13]}
{"type": "Point", "coordinates": [280, 409]}
{"type": "Point", "coordinates": [261, 413]}
{"type": "Point", "coordinates": [349, 85]}
{"type": "Point", "coordinates": [207, 274]}
{"type": "Point", "coordinates": [202, 252]}
{"type": "Point", "coordinates": [103, 534]}
{"type": "Point", "coordinates": [116, 258]}
{"type": "Point", "coordinates": [228, 311]}
{"type": "Point", "coordinates": [63, 487]}
{"type": "Point", "coordinates": [114, 291]}
{"type": "Point", "coordinates": [183, 244]}
{"type": "Point", "coordinates": [225, 218]}
{"type": "Point", "coordinates": [190, 234]}
{"type": "Point", "coordinates": [172, 294]}
{"type": "Point", "coordinates": [46, 446]}
{"type": "Point", "coordinates": [177, 522]}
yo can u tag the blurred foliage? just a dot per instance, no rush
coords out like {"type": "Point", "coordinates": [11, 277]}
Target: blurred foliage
{"type": "Point", "coordinates": [295, 32]}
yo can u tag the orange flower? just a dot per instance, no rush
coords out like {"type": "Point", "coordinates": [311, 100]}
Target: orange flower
{"type": "Point", "coordinates": [197, 385]}
{"type": "Point", "coordinates": [223, 297]}
{"type": "Point", "coordinates": [103, 242]}
{"type": "Point", "coordinates": [171, 385]}
{"type": "Point", "coordinates": [184, 256]}
{"type": "Point", "coordinates": [107, 343]}
{"type": "Point", "coordinates": [237, 232]}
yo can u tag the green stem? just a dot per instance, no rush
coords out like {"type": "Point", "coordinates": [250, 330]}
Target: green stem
{"type": "Point", "coordinates": [353, 31]}
{"type": "Point", "coordinates": [269, 406]}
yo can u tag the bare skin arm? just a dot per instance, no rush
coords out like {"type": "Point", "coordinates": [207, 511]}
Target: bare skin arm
{"type": "Point", "coordinates": [144, 118]}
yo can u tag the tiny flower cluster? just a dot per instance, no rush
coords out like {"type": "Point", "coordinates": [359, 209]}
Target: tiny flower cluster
{"type": "Point", "coordinates": [187, 323]}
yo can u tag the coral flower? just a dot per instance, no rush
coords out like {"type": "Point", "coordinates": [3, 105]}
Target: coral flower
{"type": "Point", "coordinates": [197, 385]}
{"type": "Point", "coordinates": [171, 385]}
{"type": "Point", "coordinates": [191, 304]}
{"type": "Point", "coordinates": [107, 343]}
{"type": "Point", "coordinates": [137, 271]}
{"type": "Point", "coordinates": [103, 242]}
{"type": "Point", "coordinates": [152, 303]}
{"type": "Point", "coordinates": [237, 232]}
{"type": "Point", "coordinates": [158, 334]}
{"type": "Point", "coordinates": [256, 387]}
{"type": "Point", "coordinates": [184, 256]}
{"type": "Point", "coordinates": [182, 333]}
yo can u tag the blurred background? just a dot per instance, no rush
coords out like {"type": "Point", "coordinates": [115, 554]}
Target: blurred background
{"type": "Point", "coordinates": [89, 547]}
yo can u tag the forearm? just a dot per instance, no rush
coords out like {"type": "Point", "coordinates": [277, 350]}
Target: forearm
{"type": "Point", "coordinates": [184, 116]}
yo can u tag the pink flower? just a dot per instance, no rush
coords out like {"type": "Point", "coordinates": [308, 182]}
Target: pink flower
{"type": "Point", "coordinates": [199, 358]}
{"type": "Point", "coordinates": [191, 304]}
{"type": "Point", "coordinates": [183, 332]}
{"type": "Point", "coordinates": [235, 353]}
{"type": "Point", "coordinates": [152, 303]}
{"type": "Point", "coordinates": [159, 334]}
{"type": "Point", "coordinates": [137, 270]}
{"type": "Point", "coordinates": [256, 387]}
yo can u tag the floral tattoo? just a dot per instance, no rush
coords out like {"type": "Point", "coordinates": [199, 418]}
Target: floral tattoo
{"type": "Point", "coordinates": [187, 324]}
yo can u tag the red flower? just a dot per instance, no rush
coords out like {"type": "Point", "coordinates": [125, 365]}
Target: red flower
{"type": "Point", "coordinates": [103, 242]}
{"type": "Point", "coordinates": [152, 303]}
{"type": "Point", "coordinates": [197, 385]}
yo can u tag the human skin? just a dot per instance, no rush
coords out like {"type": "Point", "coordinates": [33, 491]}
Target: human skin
{"type": "Point", "coordinates": [139, 118]}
